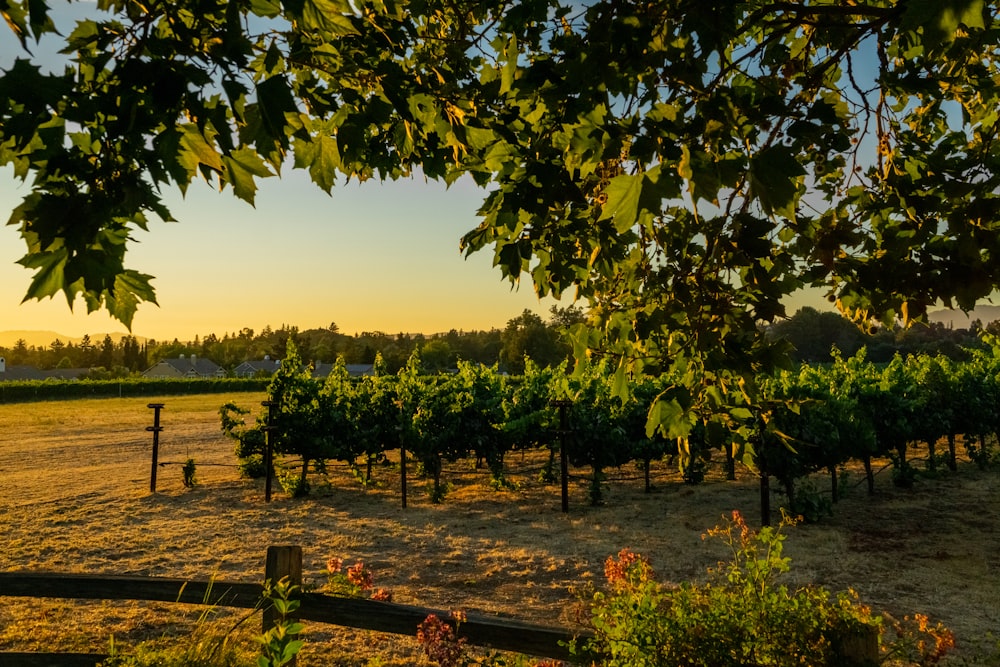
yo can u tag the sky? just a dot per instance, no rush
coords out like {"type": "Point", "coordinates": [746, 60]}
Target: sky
{"type": "Point", "coordinates": [373, 257]}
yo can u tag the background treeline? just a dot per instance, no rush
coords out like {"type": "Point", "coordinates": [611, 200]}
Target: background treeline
{"type": "Point", "coordinates": [811, 333]}
{"type": "Point", "coordinates": [527, 334]}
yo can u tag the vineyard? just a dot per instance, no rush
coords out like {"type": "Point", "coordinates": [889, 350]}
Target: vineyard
{"type": "Point", "coordinates": [489, 537]}
{"type": "Point", "coordinates": [813, 419]}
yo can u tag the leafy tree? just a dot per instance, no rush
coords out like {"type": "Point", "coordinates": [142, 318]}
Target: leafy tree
{"type": "Point", "coordinates": [722, 156]}
{"type": "Point", "coordinates": [813, 334]}
{"type": "Point", "coordinates": [437, 355]}
{"type": "Point", "coordinates": [527, 336]}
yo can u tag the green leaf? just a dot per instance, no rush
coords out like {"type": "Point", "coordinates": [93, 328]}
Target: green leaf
{"type": "Point", "coordinates": [265, 8]}
{"type": "Point", "coordinates": [194, 150]}
{"type": "Point", "coordinates": [774, 180]}
{"type": "Point", "coordinates": [242, 165]}
{"type": "Point", "coordinates": [509, 69]}
{"type": "Point", "coordinates": [940, 20]}
{"type": "Point", "coordinates": [130, 288]}
{"type": "Point", "coordinates": [274, 101]}
{"type": "Point", "coordinates": [669, 418]}
{"type": "Point", "coordinates": [623, 201]}
{"type": "Point", "coordinates": [330, 17]}
{"type": "Point", "coordinates": [321, 157]}
{"type": "Point", "coordinates": [50, 276]}
{"type": "Point", "coordinates": [16, 18]}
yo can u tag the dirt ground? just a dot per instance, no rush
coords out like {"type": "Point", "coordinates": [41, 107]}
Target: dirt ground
{"type": "Point", "coordinates": [74, 497]}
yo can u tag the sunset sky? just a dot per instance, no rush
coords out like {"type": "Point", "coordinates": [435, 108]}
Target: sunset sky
{"type": "Point", "coordinates": [371, 257]}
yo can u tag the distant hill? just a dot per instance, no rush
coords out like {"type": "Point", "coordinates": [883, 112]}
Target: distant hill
{"type": "Point", "coordinates": [45, 338]}
{"type": "Point", "coordinates": [956, 319]}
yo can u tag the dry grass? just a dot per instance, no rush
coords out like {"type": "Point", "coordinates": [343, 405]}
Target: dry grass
{"type": "Point", "coordinates": [74, 497]}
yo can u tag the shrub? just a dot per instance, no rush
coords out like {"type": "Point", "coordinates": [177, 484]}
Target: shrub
{"type": "Point", "coordinates": [188, 470]}
{"type": "Point", "coordinates": [740, 616]}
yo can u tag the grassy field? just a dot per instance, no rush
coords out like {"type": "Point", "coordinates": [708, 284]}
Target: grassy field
{"type": "Point", "coordinates": [74, 497]}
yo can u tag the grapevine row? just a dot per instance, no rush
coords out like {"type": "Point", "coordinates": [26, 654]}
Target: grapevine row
{"type": "Point", "coordinates": [806, 420]}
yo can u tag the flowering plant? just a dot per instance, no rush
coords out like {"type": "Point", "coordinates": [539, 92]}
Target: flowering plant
{"type": "Point", "coordinates": [355, 581]}
{"type": "Point", "coordinates": [743, 615]}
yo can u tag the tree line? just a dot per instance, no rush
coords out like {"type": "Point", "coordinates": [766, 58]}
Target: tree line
{"type": "Point", "coordinates": [810, 333]}
{"type": "Point", "coordinates": [526, 335]}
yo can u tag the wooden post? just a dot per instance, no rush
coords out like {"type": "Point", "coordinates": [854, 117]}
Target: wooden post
{"type": "Point", "coordinates": [857, 646]}
{"type": "Point", "coordinates": [402, 473]}
{"type": "Point", "coordinates": [281, 562]}
{"type": "Point", "coordinates": [563, 454]}
{"type": "Point", "coordinates": [155, 429]}
{"type": "Point", "coordinates": [765, 499]}
{"type": "Point", "coordinates": [268, 448]}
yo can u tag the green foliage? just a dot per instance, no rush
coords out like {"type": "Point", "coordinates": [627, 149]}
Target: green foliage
{"type": "Point", "coordinates": [188, 470]}
{"type": "Point", "coordinates": [722, 157]}
{"type": "Point", "coordinates": [742, 615]}
{"type": "Point", "coordinates": [49, 390]}
{"type": "Point", "coordinates": [809, 504]}
{"type": "Point", "coordinates": [250, 440]}
{"type": "Point", "coordinates": [280, 644]}
{"type": "Point", "coordinates": [982, 454]}
{"type": "Point", "coordinates": [293, 483]}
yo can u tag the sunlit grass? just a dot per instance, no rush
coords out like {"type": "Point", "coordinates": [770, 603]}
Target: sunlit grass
{"type": "Point", "coordinates": [76, 499]}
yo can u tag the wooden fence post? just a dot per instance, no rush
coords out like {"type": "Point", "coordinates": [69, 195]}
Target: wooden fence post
{"type": "Point", "coordinates": [281, 562]}
{"type": "Point", "coordinates": [155, 428]}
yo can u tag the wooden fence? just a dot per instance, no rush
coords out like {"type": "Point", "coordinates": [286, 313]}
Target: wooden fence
{"type": "Point", "coordinates": [478, 629]}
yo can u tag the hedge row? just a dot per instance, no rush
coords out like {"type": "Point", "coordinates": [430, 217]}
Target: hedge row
{"type": "Point", "coordinates": [48, 390]}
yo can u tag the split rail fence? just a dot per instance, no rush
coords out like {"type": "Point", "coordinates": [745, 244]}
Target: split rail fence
{"type": "Point", "coordinates": [478, 629]}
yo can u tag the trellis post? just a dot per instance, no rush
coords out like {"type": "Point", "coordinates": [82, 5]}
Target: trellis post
{"type": "Point", "coordinates": [268, 447]}
{"type": "Point", "coordinates": [564, 431]}
{"type": "Point", "coordinates": [155, 429]}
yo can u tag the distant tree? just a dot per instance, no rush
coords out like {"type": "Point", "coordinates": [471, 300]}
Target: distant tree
{"type": "Point", "coordinates": [528, 336]}
{"type": "Point", "coordinates": [813, 334]}
{"type": "Point", "coordinates": [437, 355]}
{"type": "Point", "coordinates": [106, 357]}
{"type": "Point", "coordinates": [88, 354]}
{"type": "Point", "coordinates": [564, 318]}
{"type": "Point", "coordinates": [19, 353]}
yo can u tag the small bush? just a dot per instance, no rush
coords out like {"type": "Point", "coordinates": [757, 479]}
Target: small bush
{"type": "Point", "coordinates": [741, 616]}
{"type": "Point", "coordinates": [188, 470]}
{"type": "Point", "coordinates": [810, 504]}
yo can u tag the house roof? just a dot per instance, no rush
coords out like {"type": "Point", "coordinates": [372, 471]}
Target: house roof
{"type": "Point", "coordinates": [66, 373]}
{"type": "Point", "coordinates": [255, 365]}
{"type": "Point", "coordinates": [322, 369]}
{"type": "Point", "coordinates": [192, 365]}
{"type": "Point", "coordinates": [14, 373]}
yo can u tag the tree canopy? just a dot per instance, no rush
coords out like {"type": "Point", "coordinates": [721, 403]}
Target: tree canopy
{"type": "Point", "coordinates": [681, 165]}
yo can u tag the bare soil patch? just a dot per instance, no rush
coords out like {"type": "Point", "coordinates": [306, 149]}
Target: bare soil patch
{"type": "Point", "coordinates": [74, 497]}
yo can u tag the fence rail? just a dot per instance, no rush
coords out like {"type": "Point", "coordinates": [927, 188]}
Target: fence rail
{"type": "Point", "coordinates": [479, 629]}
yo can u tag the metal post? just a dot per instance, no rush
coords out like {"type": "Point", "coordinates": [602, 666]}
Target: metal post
{"type": "Point", "coordinates": [268, 448]}
{"type": "Point", "coordinates": [155, 429]}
